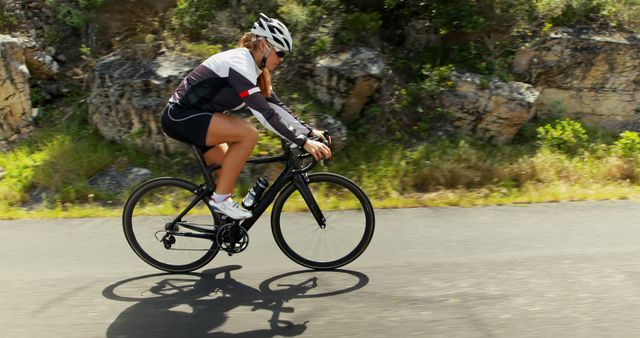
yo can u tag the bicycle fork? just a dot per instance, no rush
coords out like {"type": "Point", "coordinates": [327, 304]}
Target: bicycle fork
{"type": "Point", "coordinates": [301, 182]}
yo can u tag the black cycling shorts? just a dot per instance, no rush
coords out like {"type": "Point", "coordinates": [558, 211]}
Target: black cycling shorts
{"type": "Point", "coordinates": [186, 125]}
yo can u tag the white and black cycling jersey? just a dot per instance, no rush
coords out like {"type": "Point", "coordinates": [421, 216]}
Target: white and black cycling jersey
{"type": "Point", "coordinates": [228, 81]}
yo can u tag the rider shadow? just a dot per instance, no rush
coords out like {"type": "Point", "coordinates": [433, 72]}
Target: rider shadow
{"type": "Point", "coordinates": [196, 304]}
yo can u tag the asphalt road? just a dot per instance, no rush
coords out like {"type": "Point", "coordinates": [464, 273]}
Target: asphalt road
{"type": "Point", "coordinates": [547, 270]}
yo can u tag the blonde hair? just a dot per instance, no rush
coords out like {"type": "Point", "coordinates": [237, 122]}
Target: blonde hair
{"type": "Point", "coordinates": [252, 42]}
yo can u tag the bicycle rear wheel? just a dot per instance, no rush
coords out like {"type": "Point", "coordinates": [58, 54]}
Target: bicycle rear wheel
{"type": "Point", "coordinates": [156, 203]}
{"type": "Point", "coordinates": [349, 222]}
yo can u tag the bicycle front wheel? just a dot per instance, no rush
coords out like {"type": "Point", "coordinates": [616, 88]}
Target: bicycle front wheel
{"type": "Point", "coordinates": [155, 204]}
{"type": "Point", "coordinates": [348, 227]}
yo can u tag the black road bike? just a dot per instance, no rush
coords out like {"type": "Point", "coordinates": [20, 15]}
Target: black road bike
{"type": "Point", "coordinates": [328, 223]}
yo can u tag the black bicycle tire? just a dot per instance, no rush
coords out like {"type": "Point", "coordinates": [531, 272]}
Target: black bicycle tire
{"type": "Point", "coordinates": [351, 256]}
{"type": "Point", "coordinates": [130, 236]}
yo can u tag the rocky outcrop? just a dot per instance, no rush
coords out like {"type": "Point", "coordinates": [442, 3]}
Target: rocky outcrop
{"type": "Point", "coordinates": [41, 64]}
{"type": "Point", "coordinates": [582, 74]}
{"type": "Point", "coordinates": [589, 75]}
{"type": "Point", "coordinates": [114, 180]}
{"type": "Point", "coordinates": [35, 17]}
{"type": "Point", "coordinates": [346, 81]}
{"type": "Point", "coordinates": [38, 21]}
{"type": "Point", "coordinates": [493, 111]}
{"type": "Point", "coordinates": [336, 128]}
{"type": "Point", "coordinates": [15, 100]}
{"type": "Point", "coordinates": [128, 97]}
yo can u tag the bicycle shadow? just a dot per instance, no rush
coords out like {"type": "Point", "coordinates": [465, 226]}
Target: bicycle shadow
{"type": "Point", "coordinates": [196, 304]}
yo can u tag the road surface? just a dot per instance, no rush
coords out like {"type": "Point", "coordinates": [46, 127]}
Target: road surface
{"type": "Point", "coordinates": [545, 270]}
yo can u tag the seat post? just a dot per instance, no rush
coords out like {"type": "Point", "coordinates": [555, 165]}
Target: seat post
{"type": "Point", "coordinates": [203, 167]}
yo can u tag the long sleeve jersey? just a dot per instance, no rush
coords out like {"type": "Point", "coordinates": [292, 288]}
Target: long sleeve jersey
{"type": "Point", "coordinates": [228, 81]}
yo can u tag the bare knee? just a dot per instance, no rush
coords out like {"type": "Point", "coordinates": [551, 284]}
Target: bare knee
{"type": "Point", "coordinates": [250, 134]}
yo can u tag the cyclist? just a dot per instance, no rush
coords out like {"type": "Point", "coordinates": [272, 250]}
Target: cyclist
{"type": "Point", "coordinates": [229, 81]}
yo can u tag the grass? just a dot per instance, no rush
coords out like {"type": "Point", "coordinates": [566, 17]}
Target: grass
{"type": "Point", "coordinates": [550, 177]}
{"type": "Point", "coordinates": [560, 192]}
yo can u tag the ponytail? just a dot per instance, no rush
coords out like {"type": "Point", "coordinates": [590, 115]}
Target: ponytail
{"type": "Point", "coordinates": [250, 41]}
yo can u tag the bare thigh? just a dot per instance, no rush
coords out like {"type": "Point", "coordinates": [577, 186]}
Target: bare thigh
{"type": "Point", "coordinates": [230, 129]}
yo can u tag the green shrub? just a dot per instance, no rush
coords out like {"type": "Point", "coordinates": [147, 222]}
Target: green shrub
{"type": "Point", "coordinates": [577, 12]}
{"type": "Point", "coordinates": [320, 45]}
{"type": "Point", "coordinates": [436, 79]}
{"type": "Point", "coordinates": [90, 4]}
{"type": "Point", "coordinates": [74, 12]}
{"type": "Point", "coordinates": [201, 50]}
{"type": "Point", "coordinates": [301, 15]}
{"type": "Point", "coordinates": [217, 20]}
{"type": "Point", "coordinates": [358, 25]}
{"type": "Point", "coordinates": [192, 17]}
{"type": "Point", "coordinates": [565, 135]}
{"type": "Point", "coordinates": [7, 21]}
{"type": "Point", "coordinates": [628, 145]}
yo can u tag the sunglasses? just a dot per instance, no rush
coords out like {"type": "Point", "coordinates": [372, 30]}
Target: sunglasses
{"type": "Point", "coordinates": [279, 53]}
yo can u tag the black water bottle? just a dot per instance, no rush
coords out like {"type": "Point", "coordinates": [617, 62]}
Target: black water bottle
{"type": "Point", "coordinates": [254, 195]}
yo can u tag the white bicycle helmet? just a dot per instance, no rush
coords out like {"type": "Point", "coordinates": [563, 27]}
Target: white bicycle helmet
{"type": "Point", "coordinates": [274, 31]}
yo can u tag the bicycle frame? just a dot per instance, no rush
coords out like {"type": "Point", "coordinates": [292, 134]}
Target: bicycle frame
{"type": "Point", "coordinates": [297, 176]}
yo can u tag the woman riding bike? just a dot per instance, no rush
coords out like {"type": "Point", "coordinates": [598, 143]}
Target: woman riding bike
{"type": "Point", "coordinates": [229, 81]}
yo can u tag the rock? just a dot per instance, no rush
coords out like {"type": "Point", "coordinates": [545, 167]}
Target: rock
{"type": "Point", "coordinates": [585, 74]}
{"type": "Point", "coordinates": [346, 81]}
{"type": "Point", "coordinates": [15, 95]}
{"type": "Point", "coordinates": [495, 113]}
{"type": "Point", "coordinates": [134, 176]}
{"type": "Point", "coordinates": [608, 110]}
{"type": "Point", "coordinates": [114, 181]}
{"type": "Point", "coordinates": [41, 65]}
{"type": "Point", "coordinates": [51, 89]}
{"type": "Point", "coordinates": [36, 196]}
{"type": "Point", "coordinates": [36, 17]}
{"type": "Point", "coordinates": [522, 61]}
{"type": "Point", "coordinates": [336, 128]}
{"type": "Point", "coordinates": [128, 97]}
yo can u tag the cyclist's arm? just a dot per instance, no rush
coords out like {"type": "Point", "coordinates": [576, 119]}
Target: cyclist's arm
{"type": "Point", "coordinates": [265, 113]}
{"type": "Point", "coordinates": [289, 116]}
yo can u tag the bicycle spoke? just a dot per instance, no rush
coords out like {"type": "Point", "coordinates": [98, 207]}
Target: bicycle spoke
{"type": "Point", "coordinates": [172, 249]}
{"type": "Point", "coordinates": [349, 226]}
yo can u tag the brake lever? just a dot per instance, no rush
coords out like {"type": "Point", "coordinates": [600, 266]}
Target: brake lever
{"type": "Point", "coordinates": [327, 137]}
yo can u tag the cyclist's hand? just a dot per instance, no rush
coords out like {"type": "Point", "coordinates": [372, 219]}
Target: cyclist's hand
{"type": "Point", "coordinates": [317, 149]}
{"type": "Point", "coordinates": [320, 134]}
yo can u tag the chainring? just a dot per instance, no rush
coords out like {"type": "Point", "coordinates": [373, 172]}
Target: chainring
{"type": "Point", "coordinates": [232, 238]}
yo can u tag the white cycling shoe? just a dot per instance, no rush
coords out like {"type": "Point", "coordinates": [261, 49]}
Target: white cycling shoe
{"type": "Point", "coordinates": [229, 208]}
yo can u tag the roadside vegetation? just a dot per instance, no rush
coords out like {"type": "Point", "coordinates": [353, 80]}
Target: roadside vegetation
{"type": "Point", "coordinates": [47, 175]}
{"type": "Point", "coordinates": [555, 159]}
